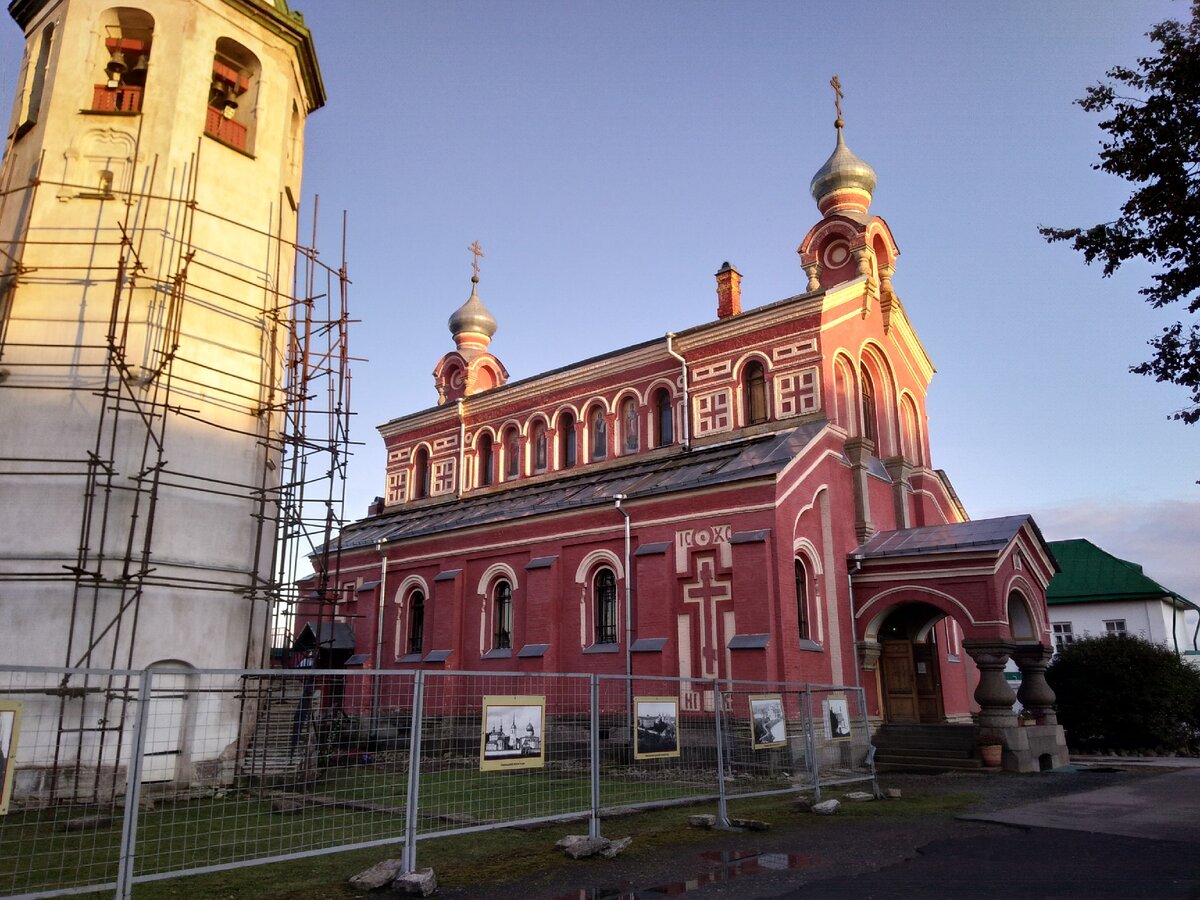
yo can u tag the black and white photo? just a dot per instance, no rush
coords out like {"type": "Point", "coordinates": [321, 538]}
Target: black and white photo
{"type": "Point", "coordinates": [837, 719]}
{"type": "Point", "coordinates": [512, 733]}
{"type": "Point", "coordinates": [769, 727]}
{"type": "Point", "coordinates": [657, 727]}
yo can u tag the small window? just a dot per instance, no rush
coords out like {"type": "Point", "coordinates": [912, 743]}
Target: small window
{"type": "Point", "coordinates": [421, 475]}
{"type": "Point", "coordinates": [566, 430]}
{"type": "Point", "coordinates": [754, 384]}
{"type": "Point", "coordinates": [31, 104]}
{"type": "Point", "coordinates": [604, 595]}
{"type": "Point", "coordinates": [502, 616]}
{"type": "Point", "coordinates": [868, 407]}
{"type": "Point", "coordinates": [1114, 626]}
{"type": "Point", "coordinates": [512, 454]}
{"type": "Point", "coordinates": [664, 431]}
{"type": "Point", "coordinates": [487, 465]}
{"type": "Point", "coordinates": [416, 621]}
{"type": "Point", "coordinates": [1063, 635]}
{"type": "Point", "coordinates": [539, 447]}
{"type": "Point", "coordinates": [629, 426]}
{"type": "Point", "coordinates": [230, 117]}
{"type": "Point", "coordinates": [599, 431]}
{"type": "Point", "coordinates": [802, 600]}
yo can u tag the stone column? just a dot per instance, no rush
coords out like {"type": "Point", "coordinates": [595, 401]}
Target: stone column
{"type": "Point", "coordinates": [858, 451]}
{"type": "Point", "coordinates": [994, 696]}
{"type": "Point", "coordinates": [1035, 694]}
{"type": "Point", "coordinates": [901, 471]}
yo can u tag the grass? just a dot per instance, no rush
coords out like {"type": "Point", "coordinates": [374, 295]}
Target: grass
{"type": "Point", "coordinates": [359, 804]}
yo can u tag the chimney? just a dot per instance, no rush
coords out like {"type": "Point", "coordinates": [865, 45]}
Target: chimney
{"type": "Point", "coordinates": [729, 291]}
{"type": "Point", "coordinates": [376, 507]}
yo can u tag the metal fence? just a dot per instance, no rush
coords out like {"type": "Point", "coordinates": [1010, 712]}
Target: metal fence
{"type": "Point", "coordinates": [113, 778]}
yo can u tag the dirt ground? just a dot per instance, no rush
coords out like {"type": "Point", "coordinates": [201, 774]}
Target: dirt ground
{"type": "Point", "coordinates": [799, 847]}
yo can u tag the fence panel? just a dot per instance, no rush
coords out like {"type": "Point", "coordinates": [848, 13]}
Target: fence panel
{"type": "Point", "coordinates": [766, 750]}
{"type": "Point", "coordinates": [502, 748]}
{"type": "Point", "coordinates": [64, 754]}
{"type": "Point", "coordinates": [246, 768]}
{"type": "Point", "coordinates": [839, 735]}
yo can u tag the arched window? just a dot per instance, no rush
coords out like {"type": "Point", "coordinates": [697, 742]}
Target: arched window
{"type": "Point", "coordinates": [502, 616]}
{"type": "Point", "coordinates": [416, 621]}
{"type": "Point", "coordinates": [566, 428]}
{"type": "Point", "coordinates": [869, 425]}
{"type": "Point", "coordinates": [539, 447]}
{"type": "Point", "coordinates": [123, 60]}
{"type": "Point", "coordinates": [421, 475]}
{"type": "Point", "coordinates": [230, 117]}
{"type": "Point", "coordinates": [629, 426]}
{"type": "Point", "coordinates": [604, 596]}
{"type": "Point", "coordinates": [802, 627]}
{"type": "Point", "coordinates": [599, 430]}
{"type": "Point", "coordinates": [754, 388]}
{"type": "Point", "coordinates": [512, 454]}
{"type": "Point", "coordinates": [664, 426]}
{"type": "Point", "coordinates": [487, 465]}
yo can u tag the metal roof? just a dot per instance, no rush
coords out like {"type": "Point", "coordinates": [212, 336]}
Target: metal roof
{"type": "Point", "coordinates": [736, 460]}
{"type": "Point", "coordinates": [1092, 574]}
{"type": "Point", "coordinates": [980, 535]}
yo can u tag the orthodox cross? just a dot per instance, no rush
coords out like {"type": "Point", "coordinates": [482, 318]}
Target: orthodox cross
{"type": "Point", "coordinates": [705, 593]}
{"type": "Point", "coordinates": [836, 84]}
{"type": "Point", "coordinates": [477, 252]}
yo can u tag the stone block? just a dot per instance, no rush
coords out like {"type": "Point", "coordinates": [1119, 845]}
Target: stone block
{"type": "Point", "coordinates": [858, 796]}
{"type": "Point", "coordinates": [892, 793]}
{"type": "Point", "coordinates": [802, 804]}
{"type": "Point", "coordinates": [377, 876]}
{"type": "Point", "coordinates": [750, 824]}
{"type": "Point", "coordinates": [615, 847]}
{"type": "Point", "coordinates": [570, 841]}
{"type": "Point", "coordinates": [702, 821]}
{"type": "Point", "coordinates": [422, 883]}
{"type": "Point", "coordinates": [585, 848]}
{"type": "Point", "coordinates": [826, 808]}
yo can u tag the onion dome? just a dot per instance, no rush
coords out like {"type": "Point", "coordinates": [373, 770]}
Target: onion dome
{"type": "Point", "coordinates": [472, 318]}
{"type": "Point", "coordinates": [844, 184]}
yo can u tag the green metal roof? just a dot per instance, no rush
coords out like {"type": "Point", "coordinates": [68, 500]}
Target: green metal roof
{"type": "Point", "coordinates": [1091, 574]}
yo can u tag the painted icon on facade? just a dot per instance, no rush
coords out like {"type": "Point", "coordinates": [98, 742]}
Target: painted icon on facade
{"type": "Point", "coordinates": [513, 736]}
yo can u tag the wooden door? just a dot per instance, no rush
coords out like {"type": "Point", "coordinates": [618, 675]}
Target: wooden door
{"type": "Point", "coordinates": [928, 682]}
{"type": "Point", "coordinates": [900, 700]}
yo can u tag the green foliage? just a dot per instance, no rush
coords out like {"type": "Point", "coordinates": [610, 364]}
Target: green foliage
{"type": "Point", "coordinates": [1121, 692]}
{"type": "Point", "coordinates": [1153, 128]}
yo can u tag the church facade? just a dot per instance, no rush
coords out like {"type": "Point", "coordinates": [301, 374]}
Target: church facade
{"type": "Point", "coordinates": [751, 498]}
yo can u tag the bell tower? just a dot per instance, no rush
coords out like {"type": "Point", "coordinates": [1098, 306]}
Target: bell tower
{"type": "Point", "coordinates": [148, 213]}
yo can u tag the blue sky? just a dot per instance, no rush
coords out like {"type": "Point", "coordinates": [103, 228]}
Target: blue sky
{"type": "Point", "coordinates": [609, 156]}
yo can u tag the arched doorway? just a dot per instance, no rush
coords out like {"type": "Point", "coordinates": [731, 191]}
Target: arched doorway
{"type": "Point", "coordinates": [910, 677]}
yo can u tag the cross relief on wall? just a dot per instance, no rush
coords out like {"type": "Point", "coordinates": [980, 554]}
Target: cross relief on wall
{"type": "Point", "coordinates": [705, 597]}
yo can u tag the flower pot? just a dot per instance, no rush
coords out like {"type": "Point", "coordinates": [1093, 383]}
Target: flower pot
{"type": "Point", "coordinates": [991, 754]}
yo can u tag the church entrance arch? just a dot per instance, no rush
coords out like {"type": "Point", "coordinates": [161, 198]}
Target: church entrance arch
{"type": "Point", "coordinates": [910, 677]}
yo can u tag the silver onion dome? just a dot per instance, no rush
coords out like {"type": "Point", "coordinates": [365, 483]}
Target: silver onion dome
{"type": "Point", "coordinates": [472, 316]}
{"type": "Point", "coordinates": [842, 170]}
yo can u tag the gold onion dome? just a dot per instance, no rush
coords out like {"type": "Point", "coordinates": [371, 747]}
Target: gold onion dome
{"type": "Point", "coordinates": [472, 316]}
{"type": "Point", "coordinates": [842, 171]}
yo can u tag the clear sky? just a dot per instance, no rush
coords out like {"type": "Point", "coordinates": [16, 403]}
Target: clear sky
{"type": "Point", "coordinates": [609, 156]}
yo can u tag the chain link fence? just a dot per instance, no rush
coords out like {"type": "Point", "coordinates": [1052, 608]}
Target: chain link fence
{"type": "Point", "coordinates": [112, 778]}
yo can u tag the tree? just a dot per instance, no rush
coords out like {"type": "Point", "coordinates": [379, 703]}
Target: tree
{"type": "Point", "coordinates": [1121, 692]}
{"type": "Point", "coordinates": [1155, 144]}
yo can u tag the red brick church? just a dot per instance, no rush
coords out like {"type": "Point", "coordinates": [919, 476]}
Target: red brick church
{"type": "Point", "coordinates": [751, 498]}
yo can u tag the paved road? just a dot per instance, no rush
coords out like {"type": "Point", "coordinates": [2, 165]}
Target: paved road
{"type": "Point", "coordinates": [1138, 839]}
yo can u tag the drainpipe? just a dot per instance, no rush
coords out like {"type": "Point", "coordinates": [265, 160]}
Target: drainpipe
{"type": "Point", "coordinates": [628, 608]}
{"type": "Point", "coordinates": [853, 623]}
{"type": "Point", "coordinates": [687, 407]}
{"type": "Point", "coordinates": [462, 449]}
{"type": "Point", "coordinates": [379, 638]}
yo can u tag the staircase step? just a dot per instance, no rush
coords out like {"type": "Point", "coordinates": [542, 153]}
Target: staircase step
{"type": "Point", "coordinates": [908, 752]}
{"type": "Point", "coordinates": [924, 763]}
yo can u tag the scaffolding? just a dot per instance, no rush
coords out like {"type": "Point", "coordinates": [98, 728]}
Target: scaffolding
{"type": "Point", "coordinates": [134, 374]}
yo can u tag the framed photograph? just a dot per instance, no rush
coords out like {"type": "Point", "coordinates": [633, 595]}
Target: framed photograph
{"type": "Point", "coordinates": [767, 723]}
{"type": "Point", "coordinates": [837, 718]}
{"type": "Point", "coordinates": [657, 733]}
{"type": "Point", "coordinates": [10, 730]}
{"type": "Point", "coordinates": [513, 735]}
